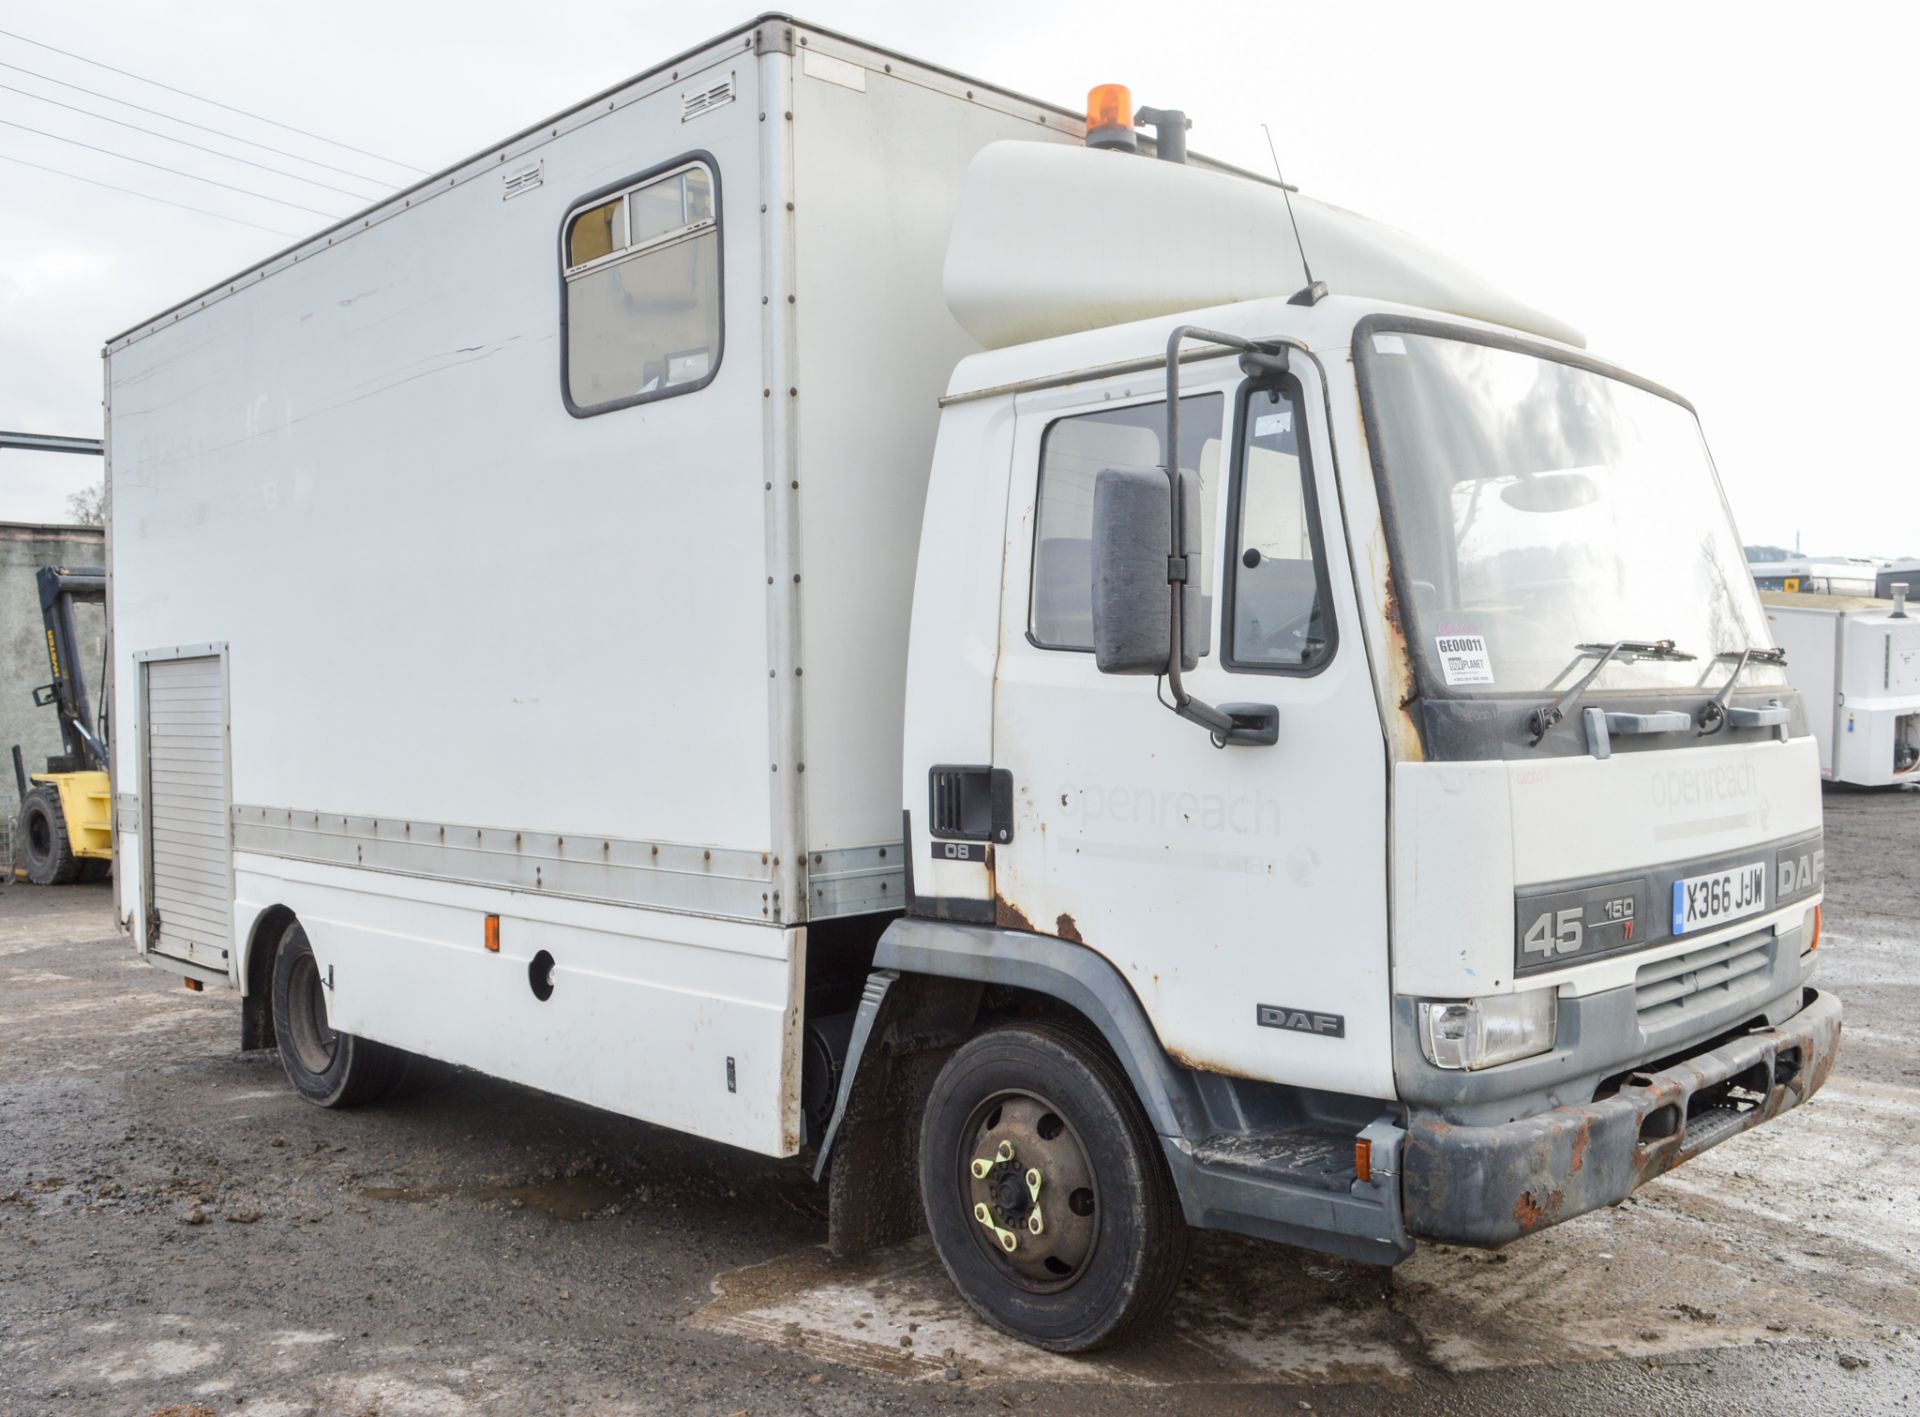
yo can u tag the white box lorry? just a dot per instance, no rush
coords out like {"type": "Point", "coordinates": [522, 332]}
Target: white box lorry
{"type": "Point", "coordinates": [681, 610]}
{"type": "Point", "coordinates": [1856, 662]}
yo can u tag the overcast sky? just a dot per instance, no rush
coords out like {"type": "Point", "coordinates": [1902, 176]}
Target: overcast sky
{"type": "Point", "coordinates": [1720, 195]}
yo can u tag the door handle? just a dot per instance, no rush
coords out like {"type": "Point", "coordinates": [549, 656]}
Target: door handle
{"type": "Point", "coordinates": [1254, 725]}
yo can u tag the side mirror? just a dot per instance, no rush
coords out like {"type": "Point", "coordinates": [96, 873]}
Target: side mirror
{"type": "Point", "coordinates": [1132, 602]}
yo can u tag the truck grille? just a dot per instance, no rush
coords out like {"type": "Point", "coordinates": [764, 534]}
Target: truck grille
{"type": "Point", "coordinates": [1702, 979]}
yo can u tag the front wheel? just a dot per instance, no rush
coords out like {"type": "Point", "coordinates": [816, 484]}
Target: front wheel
{"type": "Point", "coordinates": [325, 1067]}
{"type": "Point", "coordinates": [1045, 1190]}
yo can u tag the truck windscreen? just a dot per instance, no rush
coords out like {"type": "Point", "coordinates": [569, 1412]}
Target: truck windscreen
{"type": "Point", "coordinates": [1537, 506]}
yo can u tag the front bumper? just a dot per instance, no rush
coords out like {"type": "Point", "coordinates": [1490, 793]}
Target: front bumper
{"type": "Point", "coordinates": [1487, 1185]}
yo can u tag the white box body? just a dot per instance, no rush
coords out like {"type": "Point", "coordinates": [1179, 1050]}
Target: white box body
{"type": "Point", "coordinates": [632, 682]}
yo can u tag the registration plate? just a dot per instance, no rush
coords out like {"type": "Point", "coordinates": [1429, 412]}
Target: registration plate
{"type": "Point", "coordinates": [1700, 901]}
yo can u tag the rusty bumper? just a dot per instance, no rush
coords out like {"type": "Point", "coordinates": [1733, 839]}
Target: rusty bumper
{"type": "Point", "coordinates": [1487, 1185]}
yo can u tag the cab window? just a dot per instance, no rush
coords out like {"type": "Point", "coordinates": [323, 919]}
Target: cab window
{"type": "Point", "coordinates": [1073, 451]}
{"type": "Point", "coordinates": [1277, 616]}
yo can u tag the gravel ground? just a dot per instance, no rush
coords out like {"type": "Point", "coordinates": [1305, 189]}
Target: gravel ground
{"type": "Point", "coordinates": [178, 1232]}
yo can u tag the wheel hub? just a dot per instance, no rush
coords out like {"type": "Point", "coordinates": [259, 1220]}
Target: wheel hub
{"type": "Point", "coordinates": [1010, 1192]}
{"type": "Point", "coordinates": [313, 1039]}
{"type": "Point", "coordinates": [1031, 1192]}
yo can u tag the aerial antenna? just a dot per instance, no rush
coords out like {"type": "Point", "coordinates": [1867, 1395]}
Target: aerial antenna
{"type": "Point", "coordinates": [1315, 289]}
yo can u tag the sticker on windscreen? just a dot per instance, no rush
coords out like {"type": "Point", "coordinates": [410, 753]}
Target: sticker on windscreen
{"type": "Point", "coordinates": [1389, 344]}
{"type": "Point", "coordinates": [1464, 660]}
{"type": "Point", "coordinates": [1270, 424]}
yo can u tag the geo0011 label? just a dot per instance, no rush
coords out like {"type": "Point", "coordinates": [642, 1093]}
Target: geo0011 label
{"type": "Point", "coordinates": [1464, 659]}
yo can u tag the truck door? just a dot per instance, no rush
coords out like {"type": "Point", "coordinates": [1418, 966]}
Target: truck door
{"type": "Point", "coordinates": [1240, 891]}
{"type": "Point", "coordinates": [188, 896]}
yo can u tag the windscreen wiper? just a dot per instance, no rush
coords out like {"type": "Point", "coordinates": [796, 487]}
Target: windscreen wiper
{"type": "Point", "coordinates": [1545, 718]}
{"type": "Point", "coordinates": [1715, 715]}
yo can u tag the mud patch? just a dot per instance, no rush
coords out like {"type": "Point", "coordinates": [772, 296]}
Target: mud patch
{"type": "Point", "coordinates": [572, 1200]}
{"type": "Point", "coordinates": [895, 1312]}
{"type": "Point", "coordinates": [1654, 1277]}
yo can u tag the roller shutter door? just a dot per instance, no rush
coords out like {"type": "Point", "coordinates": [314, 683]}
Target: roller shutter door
{"type": "Point", "coordinates": [190, 851]}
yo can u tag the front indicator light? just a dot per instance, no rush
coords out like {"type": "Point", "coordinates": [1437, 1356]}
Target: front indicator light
{"type": "Point", "coordinates": [1810, 931]}
{"type": "Point", "coordinates": [1483, 1033]}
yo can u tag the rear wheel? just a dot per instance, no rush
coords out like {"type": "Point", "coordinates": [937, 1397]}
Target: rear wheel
{"type": "Point", "coordinates": [1045, 1190]}
{"type": "Point", "coordinates": [326, 1067]}
{"type": "Point", "coordinates": [44, 841]}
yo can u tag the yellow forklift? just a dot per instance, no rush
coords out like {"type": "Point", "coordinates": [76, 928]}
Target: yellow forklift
{"type": "Point", "coordinates": [65, 831]}
{"type": "Point", "coordinates": [66, 813]}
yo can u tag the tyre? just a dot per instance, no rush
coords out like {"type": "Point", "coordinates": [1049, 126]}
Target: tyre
{"type": "Point", "coordinates": [44, 843]}
{"type": "Point", "coordinates": [1045, 1190]}
{"type": "Point", "coordinates": [327, 1068]}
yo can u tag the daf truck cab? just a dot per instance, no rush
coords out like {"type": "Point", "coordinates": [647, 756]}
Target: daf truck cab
{"type": "Point", "coordinates": [1494, 889]}
{"type": "Point", "coordinates": [1364, 714]}
{"type": "Point", "coordinates": [1126, 699]}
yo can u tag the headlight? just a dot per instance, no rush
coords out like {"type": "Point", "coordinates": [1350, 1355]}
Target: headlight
{"type": "Point", "coordinates": [1483, 1033]}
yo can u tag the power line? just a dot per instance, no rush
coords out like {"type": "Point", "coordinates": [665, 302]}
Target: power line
{"type": "Point", "coordinates": [162, 167]}
{"type": "Point", "coordinates": [127, 73]}
{"type": "Point", "coordinates": [188, 122]}
{"type": "Point", "coordinates": [166, 202]}
{"type": "Point", "coordinates": [197, 147]}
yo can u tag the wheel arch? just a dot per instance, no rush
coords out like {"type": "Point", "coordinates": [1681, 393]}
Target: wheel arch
{"type": "Point", "coordinates": [256, 977]}
{"type": "Point", "coordinates": [932, 984]}
{"type": "Point", "coordinates": [1074, 979]}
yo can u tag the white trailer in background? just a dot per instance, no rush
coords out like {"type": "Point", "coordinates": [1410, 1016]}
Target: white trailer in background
{"type": "Point", "coordinates": [1807, 575]}
{"type": "Point", "coordinates": [1856, 661]}
{"type": "Point", "coordinates": [647, 613]}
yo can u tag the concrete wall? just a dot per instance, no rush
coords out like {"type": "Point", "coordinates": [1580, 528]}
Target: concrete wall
{"type": "Point", "coordinates": [24, 549]}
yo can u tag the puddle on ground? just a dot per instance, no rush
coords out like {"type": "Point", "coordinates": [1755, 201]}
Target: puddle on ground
{"type": "Point", "coordinates": [575, 1199]}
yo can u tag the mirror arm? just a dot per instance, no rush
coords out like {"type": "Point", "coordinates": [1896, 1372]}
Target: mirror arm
{"type": "Point", "coordinates": [1269, 359]}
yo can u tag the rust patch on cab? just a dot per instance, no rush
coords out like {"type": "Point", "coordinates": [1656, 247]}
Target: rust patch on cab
{"type": "Point", "coordinates": [1200, 1065]}
{"type": "Point", "coordinates": [1530, 1214]}
{"type": "Point", "coordinates": [1399, 685]}
{"type": "Point", "coordinates": [1009, 916]}
{"type": "Point", "coordinates": [1066, 929]}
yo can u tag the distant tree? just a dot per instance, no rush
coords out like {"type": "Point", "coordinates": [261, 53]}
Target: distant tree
{"type": "Point", "coordinates": [89, 506]}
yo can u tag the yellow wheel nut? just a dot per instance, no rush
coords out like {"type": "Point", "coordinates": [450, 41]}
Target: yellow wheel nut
{"type": "Point", "coordinates": [1008, 1241]}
